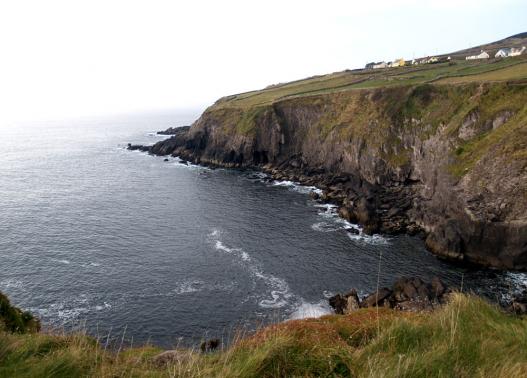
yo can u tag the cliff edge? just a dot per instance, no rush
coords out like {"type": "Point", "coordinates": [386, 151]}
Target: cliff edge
{"type": "Point", "coordinates": [440, 150]}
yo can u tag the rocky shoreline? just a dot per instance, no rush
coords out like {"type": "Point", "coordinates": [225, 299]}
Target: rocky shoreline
{"type": "Point", "coordinates": [406, 294]}
{"type": "Point", "coordinates": [377, 210]}
{"type": "Point", "coordinates": [399, 171]}
{"type": "Point", "coordinates": [382, 210]}
{"type": "Point", "coordinates": [412, 295]}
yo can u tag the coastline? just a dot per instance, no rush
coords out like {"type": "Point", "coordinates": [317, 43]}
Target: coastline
{"type": "Point", "coordinates": [444, 161]}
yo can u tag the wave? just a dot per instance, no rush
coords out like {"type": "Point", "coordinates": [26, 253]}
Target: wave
{"type": "Point", "coordinates": [369, 239]}
{"type": "Point", "coordinates": [62, 261]}
{"type": "Point", "coordinates": [63, 312]}
{"type": "Point", "coordinates": [311, 310]}
{"type": "Point", "coordinates": [517, 284]}
{"type": "Point", "coordinates": [297, 187]}
{"type": "Point", "coordinates": [280, 293]}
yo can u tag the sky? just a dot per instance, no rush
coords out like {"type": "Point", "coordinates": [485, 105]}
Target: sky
{"type": "Point", "coordinates": [69, 58]}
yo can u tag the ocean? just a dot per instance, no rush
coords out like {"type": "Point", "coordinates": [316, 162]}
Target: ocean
{"type": "Point", "coordinates": [128, 246]}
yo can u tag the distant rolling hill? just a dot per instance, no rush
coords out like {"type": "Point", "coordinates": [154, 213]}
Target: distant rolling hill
{"type": "Point", "coordinates": [516, 40]}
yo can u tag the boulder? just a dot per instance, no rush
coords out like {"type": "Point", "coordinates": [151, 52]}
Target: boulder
{"type": "Point", "coordinates": [519, 304]}
{"type": "Point", "coordinates": [352, 301]}
{"type": "Point", "coordinates": [339, 303]}
{"type": "Point", "coordinates": [376, 298]}
{"type": "Point", "coordinates": [407, 294]}
{"type": "Point", "coordinates": [438, 288]}
{"type": "Point", "coordinates": [210, 345]}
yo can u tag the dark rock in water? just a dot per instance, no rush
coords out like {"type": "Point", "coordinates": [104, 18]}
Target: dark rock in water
{"type": "Point", "coordinates": [165, 160]}
{"type": "Point", "coordinates": [174, 130]}
{"type": "Point", "coordinates": [138, 147]}
{"type": "Point", "coordinates": [407, 294]}
{"type": "Point", "coordinates": [314, 195]}
{"type": "Point", "coordinates": [210, 345]}
{"type": "Point", "coordinates": [519, 304]}
{"type": "Point", "coordinates": [353, 231]}
{"type": "Point", "coordinates": [377, 298]}
{"type": "Point", "coordinates": [339, 303]}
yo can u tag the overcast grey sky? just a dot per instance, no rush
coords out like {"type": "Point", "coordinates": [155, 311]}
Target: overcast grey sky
{"type": "Point", "coordinates": [71, 58]}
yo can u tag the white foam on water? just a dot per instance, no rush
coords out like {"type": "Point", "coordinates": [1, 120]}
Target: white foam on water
{"type": "Point", "coordinates": [369, 239]}
{"type": "Point", "coordinates": [11, 283]}
{"type": "Point", "coordinates": [280, 293]}
{"type": "Point", "coordinates": [104, 306]}
{"type": "Point", "coordinates": [156, 135]}
{"type": "Point", "coordinates": [285, 183]}
{"type": "Point", "coordinates": [62, 261]}
{"type": "Point", "coordinates": [62, 312]}
{"type": "Point", "coordinates": [297, 187]}
{"type": "Point", "coordinates": [311, 310]}
{"type": "Point", "coordinates": [325, 227]}
{"type": "Point", "coordinates": [186, 287]}
{"type": "Point", "coordinates": [517, 281]}
{"type": "Point", "coordinates": [91, 265]}
{"type": "Point", "coordinates": [180, 163]}
{"type": "Point", "coordinates": [333, 222]}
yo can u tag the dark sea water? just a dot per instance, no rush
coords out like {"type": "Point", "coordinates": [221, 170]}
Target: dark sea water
{"type": "Point", "coordinates": [123, 243]}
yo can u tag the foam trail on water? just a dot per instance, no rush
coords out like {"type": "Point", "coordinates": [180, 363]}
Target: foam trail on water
{"type": "Point", "coordinates": [280, 293]}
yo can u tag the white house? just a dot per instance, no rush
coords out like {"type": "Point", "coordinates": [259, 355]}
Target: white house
{"type": "Point", "coordinates": [482, 55]}
{"type": "Point", "coordinates": [380, 65]}
{"type": "Point", "coordinates": [506, 52]}
{"type": "Point", "coordinates": [517, 51]}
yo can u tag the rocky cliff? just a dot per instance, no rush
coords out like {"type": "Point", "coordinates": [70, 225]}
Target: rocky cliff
{"type": "Point", "coordinates": [447, 160]}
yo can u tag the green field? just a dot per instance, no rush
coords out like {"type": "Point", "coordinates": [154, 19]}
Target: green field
{"type": "Point", "coordinates": [458, 71]}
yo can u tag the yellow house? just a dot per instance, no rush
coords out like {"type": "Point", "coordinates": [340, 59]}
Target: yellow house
{"type": "Point", "coordinates": [397, 63]}
{"type": "Point", "coordinates": [400, 62]}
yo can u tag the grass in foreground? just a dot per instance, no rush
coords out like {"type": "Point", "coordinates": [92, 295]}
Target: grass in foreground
{"type": "Point", "coordinates": [468, 337]}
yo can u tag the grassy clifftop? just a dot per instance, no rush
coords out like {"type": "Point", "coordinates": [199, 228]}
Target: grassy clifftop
{"type": "Point", "coordinates": [456, 72]}
{"type": "Point", "coordinates": [467, 337]}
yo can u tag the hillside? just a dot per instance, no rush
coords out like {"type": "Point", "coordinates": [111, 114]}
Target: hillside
{"type": "Point", "coordinates": [517, 40]}
{"type": "Point", "coordinates": [458, 71]}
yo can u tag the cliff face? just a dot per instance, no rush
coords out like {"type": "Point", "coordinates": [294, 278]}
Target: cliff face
{"type": "Point", "coordinates": [450, 160]}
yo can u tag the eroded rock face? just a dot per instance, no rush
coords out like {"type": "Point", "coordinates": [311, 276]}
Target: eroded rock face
{"type": "Point", "coordinates": [402, 159]}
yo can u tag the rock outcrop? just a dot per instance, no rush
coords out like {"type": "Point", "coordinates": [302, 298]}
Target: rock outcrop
{"type": "Point", "coordinates": [174, 130]}
{"type": "Point", "coordinates": [407, 294]}
{"type": "Point", "coordinates": [449, 161]}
